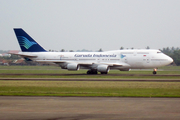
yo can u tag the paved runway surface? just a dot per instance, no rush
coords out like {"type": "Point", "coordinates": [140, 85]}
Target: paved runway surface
{"type": "Point", "coordinates": [59, 74]}
{"type": "Point", "coordinates": [88, 108]}
{"type": "Point", "coordinates": [91, 79]}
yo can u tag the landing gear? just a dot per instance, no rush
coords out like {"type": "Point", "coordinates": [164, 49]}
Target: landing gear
{"type": "Point", "coordinates": [155, 71]}
{"type": "Point", "coordinates": [92, 72]}
{"type": "Point", "coordinates": [104, 72]}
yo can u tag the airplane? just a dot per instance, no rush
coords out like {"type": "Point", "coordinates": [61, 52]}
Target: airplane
{"type": "Point", "coordinates": [103, 62]}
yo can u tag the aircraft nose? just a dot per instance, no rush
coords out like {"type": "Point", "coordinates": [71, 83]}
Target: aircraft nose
{"type": "Point", "coordinates": [170, 60]}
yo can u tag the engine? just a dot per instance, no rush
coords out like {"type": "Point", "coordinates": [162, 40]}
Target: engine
{"type": "Point", "coordinates": [103, 68]}
{"type": "Point", "coordinates": [73, 66]}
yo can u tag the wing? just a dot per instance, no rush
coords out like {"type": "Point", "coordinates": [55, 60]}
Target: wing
{"type": "Point", "coordinates": [87, 63]}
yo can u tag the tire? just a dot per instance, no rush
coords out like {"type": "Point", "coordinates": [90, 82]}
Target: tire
{"type": "Point", "coordinates": [103, 72]}
{"type": "Point", "coordinates": [92, 72]}
{"type": "Point", "coordinates": [88, 72]}
{"type": "Point", "coordinates": [154, 72]}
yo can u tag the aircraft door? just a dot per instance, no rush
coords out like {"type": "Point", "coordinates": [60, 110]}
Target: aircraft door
{"type": "Point", "coordinates": [148, 59]}
{"type": "Point", "coordinates": [135, 53]}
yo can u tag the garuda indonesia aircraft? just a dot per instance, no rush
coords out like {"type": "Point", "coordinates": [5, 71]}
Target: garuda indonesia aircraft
{"type": "Point", "coordinates": [95, 62]}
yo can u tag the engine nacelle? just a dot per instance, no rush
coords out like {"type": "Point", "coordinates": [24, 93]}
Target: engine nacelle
{"type": "Point", "coordinates": [73, 66]}
{"type": "Point", "coordinates": [103, 68]}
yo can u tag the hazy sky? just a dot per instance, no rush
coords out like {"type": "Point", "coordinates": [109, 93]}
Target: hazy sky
{"type": "Point", "coordinates": [91, 24]}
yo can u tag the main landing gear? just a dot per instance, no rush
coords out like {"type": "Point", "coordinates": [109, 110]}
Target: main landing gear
{"type": "Point", "coordinates": [155, 71]}
{"type": "Point", "coordinates": [103, 72]}
{"type": "Point", "coordinates": [92, 72]}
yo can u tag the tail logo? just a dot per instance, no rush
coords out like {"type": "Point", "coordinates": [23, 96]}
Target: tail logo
{"type": "Point", "coordinates": [23, 41]}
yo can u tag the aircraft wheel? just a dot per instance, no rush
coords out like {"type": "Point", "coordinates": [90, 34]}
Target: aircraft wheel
{"type": "Point", "coordinates": [103, 72]}
{"type": "Point", "coordinates": [92, 72]}
{"type": "Point", "coordinates": [155, 71]}
{"type": "Point", "coordinates": [88, 72]}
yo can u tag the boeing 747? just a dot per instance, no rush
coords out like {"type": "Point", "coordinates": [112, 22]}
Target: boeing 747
{"type": "Point", "coordinates": [95, 62]}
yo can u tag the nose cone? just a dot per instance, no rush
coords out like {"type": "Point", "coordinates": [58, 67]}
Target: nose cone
{"type": "Point", "coordinates": [167, 60]}
{"type": "Point", "coordinates": [170, 60]}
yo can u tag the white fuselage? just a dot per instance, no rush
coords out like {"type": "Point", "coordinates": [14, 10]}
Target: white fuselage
{"type": "Point", "coordinates": [118, 59]}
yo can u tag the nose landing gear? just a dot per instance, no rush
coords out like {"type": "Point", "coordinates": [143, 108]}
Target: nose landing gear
{"type": "Point", "coordinates": [155, 71]}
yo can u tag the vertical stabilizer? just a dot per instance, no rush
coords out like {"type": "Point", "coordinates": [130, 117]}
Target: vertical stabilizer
{"type": "Point", "coordinates": [27, 43]}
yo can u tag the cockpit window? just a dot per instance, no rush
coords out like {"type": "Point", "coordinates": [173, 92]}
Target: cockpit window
{"type": "Point", "coordinates": [159, 52]}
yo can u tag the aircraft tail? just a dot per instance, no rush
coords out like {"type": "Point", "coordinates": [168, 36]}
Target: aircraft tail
{"type": "Point", "coordinates": [27, 43]}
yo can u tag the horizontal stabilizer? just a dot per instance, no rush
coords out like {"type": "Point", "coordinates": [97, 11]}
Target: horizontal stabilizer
{"type": "Point", "coordinates": [24, 55]}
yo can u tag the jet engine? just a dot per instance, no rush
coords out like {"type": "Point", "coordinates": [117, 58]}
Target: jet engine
{"type": "Point", "coordinates": [103, 68]}
{"type": "Point", "coordinates": [73, 66]}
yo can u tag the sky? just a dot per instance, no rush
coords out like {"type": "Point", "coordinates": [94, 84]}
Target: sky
{"type": "Point", "coordinates": [91, 24]}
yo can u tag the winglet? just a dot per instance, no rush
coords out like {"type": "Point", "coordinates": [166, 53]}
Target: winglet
{"type": "Point", "coordinates": [27, 43]}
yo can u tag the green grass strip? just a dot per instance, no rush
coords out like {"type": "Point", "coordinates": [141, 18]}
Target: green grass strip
{"type": "Point", "coordinates": [90, 88]}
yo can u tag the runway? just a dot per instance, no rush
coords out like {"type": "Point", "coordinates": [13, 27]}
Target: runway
{"type": "Point", "coordinates": [91, 79]}
{"type": "Point", "coordinates": [52, 74]}
{"type": "Point", "coordinates": [88, 108]}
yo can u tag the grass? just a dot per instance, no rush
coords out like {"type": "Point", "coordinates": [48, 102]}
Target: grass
{"type": "Point", "coordinates": [88, 88]}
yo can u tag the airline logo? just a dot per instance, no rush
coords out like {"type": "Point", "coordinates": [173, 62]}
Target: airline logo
{"type": "Point", "coordinates": [122, 56]}
{"type": "Point", "coordinates": [23, 41]}
{"type": "Point", "coordinates": [94, 55]}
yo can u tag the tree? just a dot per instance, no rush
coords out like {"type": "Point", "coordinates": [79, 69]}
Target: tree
{"type": "Point", "coordinates": [62, 50]}
{"type": "Point", "coordinates": [100, 50]}
{"type": "Point", "coordinates": [121, 48]}
{"type": "Point", "coordinates": [147, 47]}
